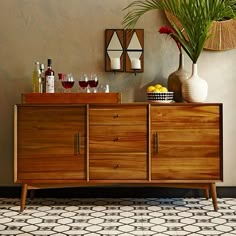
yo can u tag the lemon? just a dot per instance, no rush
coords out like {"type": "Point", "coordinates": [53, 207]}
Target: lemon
{"type": "Point", "coordinates": [158, 86]}
{"type": "Point", "coordinates": [164, 89]}
{"type": "Point", "coordinates": [157, 90]}
{"type": "Point", "coordinates": [150, 88]}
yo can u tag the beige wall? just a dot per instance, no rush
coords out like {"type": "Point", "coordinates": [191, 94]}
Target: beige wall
{"type": "Point", "coordinates": [71, 32]}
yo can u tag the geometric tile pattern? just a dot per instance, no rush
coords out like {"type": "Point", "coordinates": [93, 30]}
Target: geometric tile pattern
{"type": "Point", "coordinates": [121, 216]}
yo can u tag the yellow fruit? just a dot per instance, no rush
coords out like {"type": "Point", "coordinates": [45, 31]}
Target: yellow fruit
{"type": "Point", "coordinates": [164, 89]}
{"type": "Point", "coordinates": [157, 90]}
{"type": "Point", "coordinates": [150, 88]}
{"type": "Point", "coordinates": [158, 86]}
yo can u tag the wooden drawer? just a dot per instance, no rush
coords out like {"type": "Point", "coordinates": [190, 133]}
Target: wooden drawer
{"type": "Point", "coordinates": [182, 116]}
{"type": "Point", "coordinates": [118, 115]}
{"type": "Point", "coordinates": [118, 166]}
{"type": "Point", "coordinates": [109, 139]}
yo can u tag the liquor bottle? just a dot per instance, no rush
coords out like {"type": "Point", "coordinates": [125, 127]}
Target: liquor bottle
{"type": "Point", "coordinates": [49, 77]}
{"type": "Point", "coordinates": [36, 78]}
{"type": "Point", "coordinates": [42, 79]}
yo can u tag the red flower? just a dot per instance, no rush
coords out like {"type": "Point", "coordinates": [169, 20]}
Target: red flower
{"type": "Point", "coordinates": [169, 31]}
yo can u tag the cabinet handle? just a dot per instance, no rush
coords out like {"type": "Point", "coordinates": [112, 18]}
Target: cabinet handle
{"type": "Point", "coordinates": [116, 116]}
{"type": "Point", "coordinates": [77, 143]}
{"type": "Point", "coordinates": [116, 166]}
{"type": "Point", "coordinates": [116, 139]}
{"type": "Point", "coordinates": [156, 143]}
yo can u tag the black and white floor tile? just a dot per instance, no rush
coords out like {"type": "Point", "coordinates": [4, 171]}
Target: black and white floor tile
{"type": "Point", "coordinates": [123, 216]}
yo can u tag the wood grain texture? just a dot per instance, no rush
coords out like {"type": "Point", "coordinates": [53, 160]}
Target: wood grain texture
{"type": "Point", "coordinates": [50, 142]}
{"type": "Point", "coordinates": [118, 115]}
{"type": "Point", "coordinates": [115, 139]}
{"type": "Point", "coordinates": [186, 142]}
{"type": "Point", "coordinates": [177, 145]}
{"type": "Point", "coordinates": [70, 98]}
{"type": "Point", "coordinates": [118, 166]}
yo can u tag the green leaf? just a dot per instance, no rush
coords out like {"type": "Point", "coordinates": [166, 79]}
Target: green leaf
{"type": "Point", "coordinates": [195, 16]}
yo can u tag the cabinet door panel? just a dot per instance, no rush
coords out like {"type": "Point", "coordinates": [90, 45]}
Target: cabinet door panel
{"type": "Point", "coordinates": [50, 139]}
{"type": "Point", "coordinates": [189, 168]}
{"type": "Point", "coordinates": [186, 142]}
{"type": "Point", "coordinates": [118, 166]}
{"type": "Point", "coordinates": [118, 139]}
{"type": "Point", "coordinates": [57, 167]}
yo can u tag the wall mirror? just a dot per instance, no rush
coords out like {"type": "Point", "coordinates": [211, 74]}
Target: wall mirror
{"type": "Point", "coordinates": [124, 50]}
{"type": "Point", "coordinates": [134, 45]}
{"type": "Point", "coordinates": [114, 50]}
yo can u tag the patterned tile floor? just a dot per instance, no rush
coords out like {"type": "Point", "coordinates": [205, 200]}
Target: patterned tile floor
{"type": "Point", "coordinates": [123, 216]}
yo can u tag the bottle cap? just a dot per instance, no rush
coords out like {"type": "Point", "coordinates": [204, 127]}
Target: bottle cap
{"type": "Point", "coordinates": [49, 62]}
{"type": "Point", "coordinates": [41, 66]}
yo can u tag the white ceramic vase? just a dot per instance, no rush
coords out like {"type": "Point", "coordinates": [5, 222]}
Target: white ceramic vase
{"type": "Point", "coordinates": [194, 89]}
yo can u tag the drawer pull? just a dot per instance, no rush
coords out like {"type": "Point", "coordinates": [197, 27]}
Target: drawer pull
{"type": "Point", "coordinates": [156, 143]}
{"type": "Point", "coordinates": [116, 116]}
{"type": "Point", "coordinates": [116, 139]}
{"type": "Point", "coordinates": [116, 166]}
{"type": "Point", "coordinates": [77, 143]}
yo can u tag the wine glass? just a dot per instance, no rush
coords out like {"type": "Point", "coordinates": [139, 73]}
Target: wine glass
{"type": "Point", "coordinates": [83, 82]}
{"type": "Point", "coordinates": [67, 82]}
{"type": "Point", "coordinates": [93, 82]}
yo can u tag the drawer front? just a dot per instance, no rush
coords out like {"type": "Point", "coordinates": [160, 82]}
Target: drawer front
{"type": "Point", "coordinates": [107, 139]}
{"type": "Point", "coordinates": [118, 115]}
{"type": "Point", "coordinates": [118, 167]}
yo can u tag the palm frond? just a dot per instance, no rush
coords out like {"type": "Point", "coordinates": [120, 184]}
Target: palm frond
{"type": "Point", "coordinates": [195, 16]}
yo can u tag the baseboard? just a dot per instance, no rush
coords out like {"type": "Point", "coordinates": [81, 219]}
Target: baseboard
{"type": "Point", "coordinates": [117, 192]}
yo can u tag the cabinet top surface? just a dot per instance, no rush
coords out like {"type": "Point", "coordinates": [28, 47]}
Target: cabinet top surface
{"type": "Point", "coordinates": [120, 104]}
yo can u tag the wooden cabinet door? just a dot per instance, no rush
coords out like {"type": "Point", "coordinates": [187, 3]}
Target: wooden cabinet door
{"type": "Point", "coordinates": [186, 142]}
{"type": "Point", "coordinates": [50, 142]}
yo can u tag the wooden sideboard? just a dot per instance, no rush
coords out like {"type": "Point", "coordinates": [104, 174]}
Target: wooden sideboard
{"type": "Point", "coordinates": [176, 145]}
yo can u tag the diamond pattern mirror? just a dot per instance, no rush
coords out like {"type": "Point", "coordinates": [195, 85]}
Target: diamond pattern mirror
{"type": "Point", "coordinates": [124, 50]}
{"type": "Point", "coordinates": [134, 45]}
{"type": "Point", "coordinates": [114, 53]}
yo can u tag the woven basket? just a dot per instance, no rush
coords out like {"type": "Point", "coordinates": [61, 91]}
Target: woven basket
{"type": "Point", "coordinates": [222, 34]}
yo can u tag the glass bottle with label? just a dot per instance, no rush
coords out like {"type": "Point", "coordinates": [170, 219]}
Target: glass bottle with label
{"type": "Point", "coordinates": [50, 77]}
{"type": "Point", "coordinates": [42, 85]}
{"type": "Point", "coordinates": [36, 78]}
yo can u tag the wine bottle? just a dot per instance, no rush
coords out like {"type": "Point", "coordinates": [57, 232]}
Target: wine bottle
{"type": "Point", "coordinates": [42, 85]}
{"type": "Point", "coordinates": [36, 78]}
{"type": "Point", "coordinates": [50, 77]}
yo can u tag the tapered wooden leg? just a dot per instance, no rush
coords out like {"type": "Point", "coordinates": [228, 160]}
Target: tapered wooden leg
{"type": "Point", "coordinates": [207, 193]}
{"type": "Point", "coordinates": [214, 196]}
{"type": "Point", "coordinates": [23, 197]}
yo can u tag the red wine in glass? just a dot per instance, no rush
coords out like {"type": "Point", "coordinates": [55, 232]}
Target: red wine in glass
{"type": "Point", "coordinates": [83, 84]}
{"type": "Point", "coordinates": [93, 83]}
{"type": "Point", "coordinates": [67, 84]}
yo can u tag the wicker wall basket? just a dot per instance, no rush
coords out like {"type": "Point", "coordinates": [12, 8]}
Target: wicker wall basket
{"type": "Point", "coordinates": [223, 34]}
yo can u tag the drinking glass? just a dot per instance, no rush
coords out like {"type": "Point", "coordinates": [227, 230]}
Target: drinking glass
{"type": "Point", "coordinates": [83, 82]}
{"type": "Point", "coordinates": [93, 82]}
{"type": "Point", "coordinates": [67, 82]}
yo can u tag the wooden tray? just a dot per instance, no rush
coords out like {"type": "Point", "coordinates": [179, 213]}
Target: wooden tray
{"type": "Point", "coordinates": [72, 98]}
